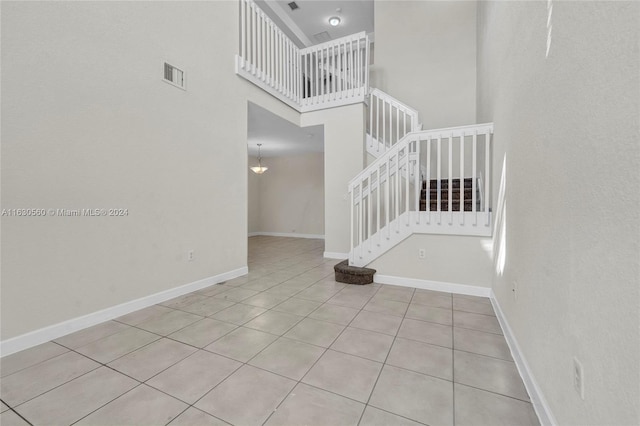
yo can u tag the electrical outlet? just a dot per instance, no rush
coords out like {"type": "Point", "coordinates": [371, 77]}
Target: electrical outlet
{"type": "Point", "coordinates": [190, 255]}
{"type": "Point", "coordinates": [578, 377]}
{"type": "Point", "coordinates": [422, 253]}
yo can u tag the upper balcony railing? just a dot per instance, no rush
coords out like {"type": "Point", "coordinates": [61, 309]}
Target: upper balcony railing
{"type": "Point", "coordinates": [330, 74]}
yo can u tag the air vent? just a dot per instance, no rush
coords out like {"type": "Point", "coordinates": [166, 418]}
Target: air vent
{"type": "Point", "coordinates": [174, 76]}
{"type": "Point", "coordinates": [293, 5]}
{"type": "Point", "coordinates": [322, 37]}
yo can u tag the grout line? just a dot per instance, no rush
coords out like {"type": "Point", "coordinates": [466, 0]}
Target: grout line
{"type": "Point", "coordinates": [388, 352]}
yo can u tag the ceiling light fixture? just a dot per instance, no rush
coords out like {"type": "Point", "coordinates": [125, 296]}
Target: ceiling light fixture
{"type": "Point", "coordinates": [259, 169]}
{"type": "Point", "coordinates": [334, 21]}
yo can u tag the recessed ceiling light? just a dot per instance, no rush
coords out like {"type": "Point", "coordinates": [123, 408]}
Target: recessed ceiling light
{"type": "Point", "coordinates": [334, 21]}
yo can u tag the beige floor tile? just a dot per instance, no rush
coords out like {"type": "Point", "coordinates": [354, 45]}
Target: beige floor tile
{"type": "Point", "coordinates": [35, 380]}
{"type": "Point", "coordinates": [146, 314]}
{"type": "Point", "coordinates": [274, 322]}
{"type": "Point", "coordinates": [91, 334]}
{"type": "Point", "coordinates": [479, 322]}
{"type": "Point", "coordinates": [488, 373]}
{"type": "Point", "coordinates": [193, 377]}
{"type": "Point", "coordinates": [344, 374]}
{"type": "Point", "coordinates": [239, 314]}
{"type": "Point", "coordinates": [9, 418]}
{"type": "Point", "coordinates": [429, 313]}
{"type": "Point", "coordinates": [386, 306]}
{"type": "Point", "coordinates": [342, 315]}
{"type": "Point", "coordinates": [119, 344]}
{"type": "Point", "coordinates": [247, 397]}
{"type": "Point", "coordinates": [170, 322]}
{"type": "Point", "coordinates": [297, 306]}
{"type": "Point", "coordinates": [381, 323]}
{"type": "Point", "coordinates": [364, 343]}
{"type": "Point", "coordinates": [142, 405]}
{"type": "Point", "coordinates": [72, 401]}
{"type": "Point", "coordinates": [29, 357]}
{"type": "Point", "coordinates": [310, 406]}
{"type": "Point", "coordinates": [261, 284]}
{"type": "Point", "coordinates": [427, 332]}
{"type": "Point", "coordinates": [236, 294]}
{"type": "Point", "coordinates": [421, 398]}
{"type": "Point", "coordinates": [203, 332]}
{"type": "Point", "coordinates": [320, 333]}
{"type": "Point", "coordinates": [475, 407]}
{"type": "Point", "coordinates": [437, 300]}
{"type": "Point", "coordinates": [208, 306]}
{"type": "Point", "coordinates": [242, 344]}
{"type": "Point", "coordinates": [422, 357]}
{"type": "Point", "coordinates": [481, 343]}
{"type": "Point", "coordinates": [265, 300]}
{"type": "Point", "coordinates": [350, 299]}
{"type": "Point", "coordinates": [185, 300]}
{"type": "Point", "coordinates": [195, 417]}
{"type": "Point", "coordinates": [399, 294]}
{"type": "Point", "coordinates": [288, 358]}
{"type": "Point", "coordinates": [284, 290]}
{"type": "Point", "coordinates": [317, 293]}
{"type": "Point", "coordinates": [148, 361]}
{"type": "Point", "coordinates": [467, 305]}
{"type": "Point", "coordinates": [375, 417]}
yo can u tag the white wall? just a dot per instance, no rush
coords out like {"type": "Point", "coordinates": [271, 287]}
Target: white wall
{"type": "Point", "coordinates": [568, 127]}
{"type": "Point", "coordinates": [290, 195]}
{"type": "Point", "coordinates": [426, 58]}
{"type": "Point", "coordinates": [343, 159]}
{"type": "Point", "coordinates": [449, 259]}
{"type": "Point", "coordinates": [88, 123]}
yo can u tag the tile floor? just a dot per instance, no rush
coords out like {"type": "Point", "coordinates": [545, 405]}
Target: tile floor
{"type": "Point", "coordinates": [283, 345]}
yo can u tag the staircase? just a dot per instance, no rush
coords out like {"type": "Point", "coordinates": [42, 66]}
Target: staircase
{"type": "Point", "coordinates": [422, 181]}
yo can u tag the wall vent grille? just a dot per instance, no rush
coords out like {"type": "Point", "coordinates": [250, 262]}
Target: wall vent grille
{"type": "Point", "coordinates": [293, 5]}
{"type": "Point", "coordinates": [174, 76]}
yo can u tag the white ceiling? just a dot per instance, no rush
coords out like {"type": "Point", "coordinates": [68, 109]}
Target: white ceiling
{"type": "Point", "coordinates": [312, 17]}
{"type": "Point", "coordinates": [280, 137]}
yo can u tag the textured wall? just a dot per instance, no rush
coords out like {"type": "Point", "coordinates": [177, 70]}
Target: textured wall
{"type": "Point", "coordinates": [567, 131]}
{"type": "Point", "coordinates": [425, 56]}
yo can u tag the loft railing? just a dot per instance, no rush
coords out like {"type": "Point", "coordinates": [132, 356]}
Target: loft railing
{"type": "Point", "coordinates": [434, 181]}
{"type": "Point", "coordinates": [330, 74]}
{"type": "Point", "coordinates": [388, 122]}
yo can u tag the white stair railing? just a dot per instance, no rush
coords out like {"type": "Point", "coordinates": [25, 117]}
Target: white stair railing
{"type": "Point", "coordinates": [330, 74]}
{"type": "Point", "coordinates": [335, 70]}
{"type": "Point", "coordinates": [388, 122]}
{"type": "Point", "coordinates": [392, 198]}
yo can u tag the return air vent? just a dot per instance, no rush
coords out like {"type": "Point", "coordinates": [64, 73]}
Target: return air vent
{"type": "Point", "coordinates": [293, 5]}
{"type": "Point", "coordinates": [174, 76]}
{"type": "Point", "coordinates": [322, 37]}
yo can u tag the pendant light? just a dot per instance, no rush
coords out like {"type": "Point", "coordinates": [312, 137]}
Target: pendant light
{"type": "Point", "coordinates": [259, 169]}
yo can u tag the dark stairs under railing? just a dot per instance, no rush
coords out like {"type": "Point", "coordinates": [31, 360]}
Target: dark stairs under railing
{"type": "Point", "coordinates": [444, 195]}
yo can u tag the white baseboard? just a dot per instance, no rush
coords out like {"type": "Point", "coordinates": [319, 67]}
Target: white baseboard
{"type": "Point", "coordinates": [286, 234]}
{"type": "Point", "coordinates": [540, 405]}
{"type": "Point", "coordinates": [43, 335]}
{"type": "Point", "coordinates": [335, 255]}
{"type": "Point", "coordinates": [469, 290]}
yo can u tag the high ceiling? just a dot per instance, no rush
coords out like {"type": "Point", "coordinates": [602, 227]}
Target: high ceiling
{"type": "Point", "coordinates": [280, 137]}
{"type": "Point", "coordinates": [307, 24]}
{"type": "Point", "coordinates": [304, 26]}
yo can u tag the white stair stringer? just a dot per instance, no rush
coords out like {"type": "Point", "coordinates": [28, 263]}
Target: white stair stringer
{"type": "Point", "coordinates": [379, 243]}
